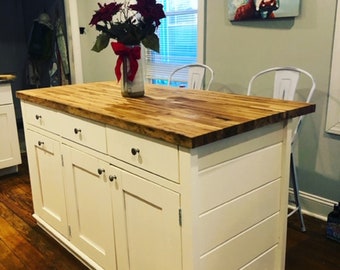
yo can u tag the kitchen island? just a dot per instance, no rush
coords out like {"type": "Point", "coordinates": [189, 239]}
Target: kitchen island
{"type": "Point", "coordinates": [177, 179]}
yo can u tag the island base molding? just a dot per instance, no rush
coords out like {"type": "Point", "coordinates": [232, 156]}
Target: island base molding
{"type": "Point", "coordinates": [66, 244]}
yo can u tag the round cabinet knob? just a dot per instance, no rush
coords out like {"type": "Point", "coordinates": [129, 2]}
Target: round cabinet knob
{"type": "Point", "coordinates": [112, 178]}
{"type": "Point", "coordinates": [77, 130]}
{"type": "Point", "coordinates": [37, 116]}
{"type": "Point", "coordinates": [101, 171]}
{"type": "Point", "coordinates": [134, 151]}
{"type": "Point", "coordinates": [40, 143]}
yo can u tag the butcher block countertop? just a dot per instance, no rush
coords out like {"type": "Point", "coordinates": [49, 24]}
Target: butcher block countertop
{"type": "Point", "coordinates": [188, 118]}
{"type": "Point", "coordinates": [4, 78]}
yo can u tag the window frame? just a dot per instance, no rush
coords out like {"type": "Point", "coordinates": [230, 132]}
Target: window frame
{"type": "Point", "coordinates": [201, 5]}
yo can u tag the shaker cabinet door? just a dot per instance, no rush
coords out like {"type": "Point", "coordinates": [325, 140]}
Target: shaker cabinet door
{"type": "Point", "coordinates": [89, 206]}
{"type": "Point", "coordinates": [148, 231]}
{"type": "Point", "coordinates": [47, 183]}
{"type": "Point", "coordinates": [9, 143]}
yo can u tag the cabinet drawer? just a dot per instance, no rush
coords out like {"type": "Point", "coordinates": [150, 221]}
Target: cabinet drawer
{"type": "Point", "coordinates": [5, 94]}
{"type": "Point", "coordinates": [41, 117]}
{"type": "Point", "coordinates": [85, 132]}
{"type": "Point", "coordinates": [155, 156]}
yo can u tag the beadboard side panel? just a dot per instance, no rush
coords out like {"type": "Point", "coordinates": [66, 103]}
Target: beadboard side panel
{"type": "Point", "coordinates": [239, 186]}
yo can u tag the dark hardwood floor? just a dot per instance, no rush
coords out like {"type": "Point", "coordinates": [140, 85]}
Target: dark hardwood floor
{"type": "Point", "coordinates": [24, 245]}
{"type": "Point", "coordinates": [311, 250]}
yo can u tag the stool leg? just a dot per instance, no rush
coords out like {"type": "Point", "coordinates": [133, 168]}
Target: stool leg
{"type": "Point", "coordinates": [296, 192]}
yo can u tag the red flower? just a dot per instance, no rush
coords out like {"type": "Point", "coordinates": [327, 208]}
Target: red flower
{"type": "Point", "coordinates": [105, 13]}
{"type": "Point", "coordinates": [150, 10]}
{"type": "Point", "coordinates": [128, 24]}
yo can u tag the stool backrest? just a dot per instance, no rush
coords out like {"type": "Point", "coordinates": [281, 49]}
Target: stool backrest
{"type": "Point", "coordinates": [194, 76]}
{"type": "Point", "coordinates": [285, 84]}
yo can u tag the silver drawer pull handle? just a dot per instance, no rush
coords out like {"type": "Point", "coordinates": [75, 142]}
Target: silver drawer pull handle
{"type": "Point", "coordinates": [101, 171]}
{"type": "Point", "coordinates": [112, 178]}
{"type": "Point", "coordinates": [40, 143]}
{"type": "Point", "coordinates": [134, 151]}
{"type": "Point", "coordinates": [77, 130]}
{"type": "Point", "coordinates": [37, 116]}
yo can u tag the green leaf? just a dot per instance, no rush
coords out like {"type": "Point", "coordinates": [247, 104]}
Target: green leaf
{"type": "Point", "coordinates": [151, 42]}
{"type": "Point", "coordinates": [101, 42]}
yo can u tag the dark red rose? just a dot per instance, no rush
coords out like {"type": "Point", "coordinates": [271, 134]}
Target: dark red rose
{"type": "Point", "coordinates": [150, 10]}
{"type": "Point", "coordinates": [105, 13]}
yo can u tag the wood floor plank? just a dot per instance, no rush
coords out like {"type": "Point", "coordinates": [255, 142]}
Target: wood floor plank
{"type": "Point", "coordinates": [310, 249]}
{"type": "Point", "coordinates": [7, 258]}
{"type": "Point", "coordinates": [38, 239]}
{"type": "Point", "coordinates": [23, 242]}
{"type": "Point", "coordinates": [20, 247]}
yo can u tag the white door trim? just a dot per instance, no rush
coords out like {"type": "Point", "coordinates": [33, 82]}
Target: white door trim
{"type": "Point", "coordinates": [73, 39]}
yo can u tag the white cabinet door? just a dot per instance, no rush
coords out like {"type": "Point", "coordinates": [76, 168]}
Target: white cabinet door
{"type": "Point", "coordinates": [47, 180]}
{"type": "Point", "coordinates": [89, 206]}
{"type": "Point", "coordinates": [148, 231]}
{"type": "Point", "coordinates": [9, 143]}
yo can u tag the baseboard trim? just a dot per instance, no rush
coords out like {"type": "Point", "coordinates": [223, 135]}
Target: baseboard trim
{"type": "Point", "coordinates": [313, 205]}
{"type": "Point", "coordinates": [9, 170]}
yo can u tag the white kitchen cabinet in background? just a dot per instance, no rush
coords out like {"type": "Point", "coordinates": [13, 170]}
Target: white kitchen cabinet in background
{"type": "Point", "coordinates": [9, 143]}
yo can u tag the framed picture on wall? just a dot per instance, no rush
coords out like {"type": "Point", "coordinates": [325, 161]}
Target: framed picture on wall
{"type": "Point", "coordinates": [239, 10]}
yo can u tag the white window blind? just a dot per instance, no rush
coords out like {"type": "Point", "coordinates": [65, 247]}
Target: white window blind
{"type": "Point", "coordinates": [178, 40]}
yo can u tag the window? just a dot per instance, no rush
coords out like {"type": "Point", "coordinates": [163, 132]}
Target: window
{"type": "Point", "coordinates": [178, 36]}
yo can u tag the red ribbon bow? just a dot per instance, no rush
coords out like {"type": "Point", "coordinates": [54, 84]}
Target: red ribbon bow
{"type": "Point", "coordinates": [132, 54]}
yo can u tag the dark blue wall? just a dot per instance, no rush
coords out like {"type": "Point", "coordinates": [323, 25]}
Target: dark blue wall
{"type": "Point", "coordinates": [16, 20]}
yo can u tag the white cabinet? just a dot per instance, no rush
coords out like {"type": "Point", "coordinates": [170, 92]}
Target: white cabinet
{"type": "Point", "coordinates": [47, 184]}
{"type": "Point", "coordinates": [134, 203]}
{"type": "Point", "coordinates": [147, 222]}
{"type": "Point", "coordinates": [118, 219]}
{"type": "Point", "coordinates": [45, 164]}
{"type": "Point", "coordinates": [9, 144]}
{"type": "Point", "coordinates": [88, 183]}
{"type": "Point", "coordinates": [111, 218]}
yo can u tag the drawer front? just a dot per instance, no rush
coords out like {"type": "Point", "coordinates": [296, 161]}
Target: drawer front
{"type": "Point", "coordinates": [5, 94]}
{"type": "Point", "coordinates": [41, 117]}
{"type": "Point", "coordinates": [155, 156]}
{"type": "Point", "coordinates": [85, 132]}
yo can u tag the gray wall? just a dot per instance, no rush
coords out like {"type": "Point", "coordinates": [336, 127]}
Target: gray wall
{"type": "Point", "coordinates": [236, 51]}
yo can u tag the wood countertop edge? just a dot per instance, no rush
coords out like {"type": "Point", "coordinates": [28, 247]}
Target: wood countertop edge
{"type": "Point", "coordinates": [166, 135]}
{"type": "Point", "coordinates": [6, 78]}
